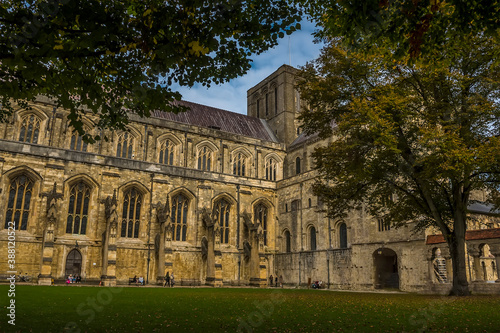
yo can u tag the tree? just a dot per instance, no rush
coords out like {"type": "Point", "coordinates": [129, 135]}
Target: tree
{"type": "Point", "coordinates": [113, 57]}
{"type": "Point", "coordinates": [426, 135]}
{"type": "Point", "coordinates": [406, 27]}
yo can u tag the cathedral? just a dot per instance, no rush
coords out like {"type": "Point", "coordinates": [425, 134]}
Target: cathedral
{"type": "Point", "coordinates": [215, 197]}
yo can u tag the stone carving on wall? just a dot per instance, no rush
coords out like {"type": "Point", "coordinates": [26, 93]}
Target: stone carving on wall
{"type": "Point", "coordinates": [204, 248]}
{"type": "Point", "coordinates": [110, 206]}
{"type": "Point", "coordinates": [52, 198]}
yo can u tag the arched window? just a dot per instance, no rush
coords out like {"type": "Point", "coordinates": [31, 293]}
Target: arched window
{"type": "Point", "coordinates": [132, 202]}
{"type": "Point", "coordinates": [312, 239]}
{"type": "Point", "coordinates": [310, 203]}
{"type": "Point", "coordinates": [167, 149]}
{"type": "Point", "coordinates": [297, 165]}
{"type": "Point", "coordinates": [288, 245]}
{"type": "Point", "coordinates": [30, 129]}
{"type": "Point", "coordinates": [205, 158]}
{"type": "Point", "coordinates": [343, 235]}
{"type": "Point", "coordinates": [77, 143]}
{"type": "Point", "coordinates": [79, 198]}
{"type": "Point", "coordinates": [260, 215]}
{"type": "Point", "coordinates": [271, 166]}
{"type": "Point", "coordinates": [239, 164]}
{"type": "Point", "coordinates": [125, 145]}
{"type": "Point", "coordinates": [179, 217]}
{"type": "Point", "coordinates": [18, 204]}
{"type": "Point", "coordinates": [222, 217]}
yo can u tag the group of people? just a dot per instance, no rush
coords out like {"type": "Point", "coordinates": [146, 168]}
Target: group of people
{"type": "Point", "coordinates": [275, 281]}
{"type": "Point", "coordinates": [139, 280]}
{"type": "Point", "coordinates": [169, 280]}
{"type": "Point", "coordinates": [73, 279]}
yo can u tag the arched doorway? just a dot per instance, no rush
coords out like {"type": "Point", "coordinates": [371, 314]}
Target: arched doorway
{"type": "Point", "coordinates": [385, 262]}
{"type": "Point", "coordinates": [73, 263]}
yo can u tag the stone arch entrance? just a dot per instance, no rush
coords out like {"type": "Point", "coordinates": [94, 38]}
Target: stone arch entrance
{"type": "Point", "coordinates": [385, 262]}
{"type": "Point", "coordinates": [73, 263]}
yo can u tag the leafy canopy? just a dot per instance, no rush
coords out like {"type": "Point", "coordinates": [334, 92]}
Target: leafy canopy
{"type": "Point", "coordinates": [426, 135]}
{"type": "Point", "coordinates": [111, 57]}
{"type": "Point", "coordinates": [408, 28]}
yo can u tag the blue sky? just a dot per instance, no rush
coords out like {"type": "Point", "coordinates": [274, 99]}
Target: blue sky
{"type": "Point", "coordinates": [232, 95]}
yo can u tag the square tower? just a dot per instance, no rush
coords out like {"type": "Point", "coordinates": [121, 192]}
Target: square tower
{"type": "Point", "coordinates": [276, 100]}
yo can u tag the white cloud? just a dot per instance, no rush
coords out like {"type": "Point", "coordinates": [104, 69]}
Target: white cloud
{"type": "Point", "coordinates": [294, 50]}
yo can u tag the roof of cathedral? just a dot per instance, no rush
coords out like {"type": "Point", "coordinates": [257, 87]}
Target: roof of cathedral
{"type": "Point", "coordinates": [214, 118]}
{"type": "Point", "coordinates": [469, 235]}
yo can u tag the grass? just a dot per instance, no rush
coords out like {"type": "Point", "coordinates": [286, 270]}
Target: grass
{"type": "Point", "coordinates": [139, 309]}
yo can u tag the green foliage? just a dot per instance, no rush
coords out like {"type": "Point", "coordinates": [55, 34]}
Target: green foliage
{"type": "Point", "coordinates": [110, 57]}
{"type": "Point", "coordinates": [427, 134]}
{"type": "Point", "coordinates": [141, 309]}
{"type": "Point", "coordinates": [412, 140]}
{"type": "Point", "coordinates": [406, 27]}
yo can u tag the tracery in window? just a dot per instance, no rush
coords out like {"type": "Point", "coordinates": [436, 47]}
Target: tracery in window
{"type": "Point", "coordinates": [125, 145]}
{"type": "Point", "coordinates": [222, 209]}
{"type": "Point", "coordinates": [77, 142]}
{"type": "Point", "coordinates": [131, 213]}
{"type": "Point", "coordinates": [18, 204]}
{"type": "Point", "coordinates": [271, 167]}
{"type": "Point", "coordinates": [179, 217]}
{"type": "Point", "coordinates": [79, 198]}
{"type": "Point", "coordinates": [30, 129]}
{"type": "Point", "coordinates": [205, 158]}
{"type": "Point", "coordinates": [167, 152]}
{"type": "Point", "coordinates": [239, 164]}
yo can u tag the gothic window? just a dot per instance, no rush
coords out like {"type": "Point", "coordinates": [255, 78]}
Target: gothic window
{"type": "Point", "coordinates": [30, 129]}
{"type": "Point", "coordinates": [179, 217]}
{"type": "Point", "coordinates": [77, 143]}
{"type": "Point", "coordinates": [297, 165]}
{"type": "Point", "coordinates": [18, 204]}
{"type": "Point", "coordinates": [288, 246]}
{"type": "Point", "coordinates": [167, 149]}
{"type": "Point", "coordinates": [382, 226]}
{"type": "Point", "coordinates": [222, 217]}
{"type": "Point", "coordinates": [131, 214]}
{"type": "Point", "coordinates": [205, 158]}
{"type": "Point", "coordinates": [260, 215]}
{"type": "Point", "coordinates": [239, 164]}
{"type": "Point", "coordinates": [271, 166]}
{"type": "Point", "coordinates": [79, 198]}
{"type": "Point", "coordinates": [343, 235]}
{"type": "Point", "coordinates": [125, 145]}
{"type": "Point", "coordinates": [312, 239]}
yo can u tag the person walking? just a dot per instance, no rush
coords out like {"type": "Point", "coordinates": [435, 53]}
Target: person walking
{"type": "Point", "coordinates": [271, 280]}
{"type": "Point", "coordinates": [172, 282]}
{"type": "Point", "coordinates": [281, 281]}
{"type": "Point", "coordinates": [167, 280]}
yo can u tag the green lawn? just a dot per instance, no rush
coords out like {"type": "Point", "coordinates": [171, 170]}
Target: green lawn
{"type": "Point", "coordinates": [139, 309]}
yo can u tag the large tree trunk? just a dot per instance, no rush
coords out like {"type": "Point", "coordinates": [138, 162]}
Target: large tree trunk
{"type": "Point", "coordinates": [456, 244]}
